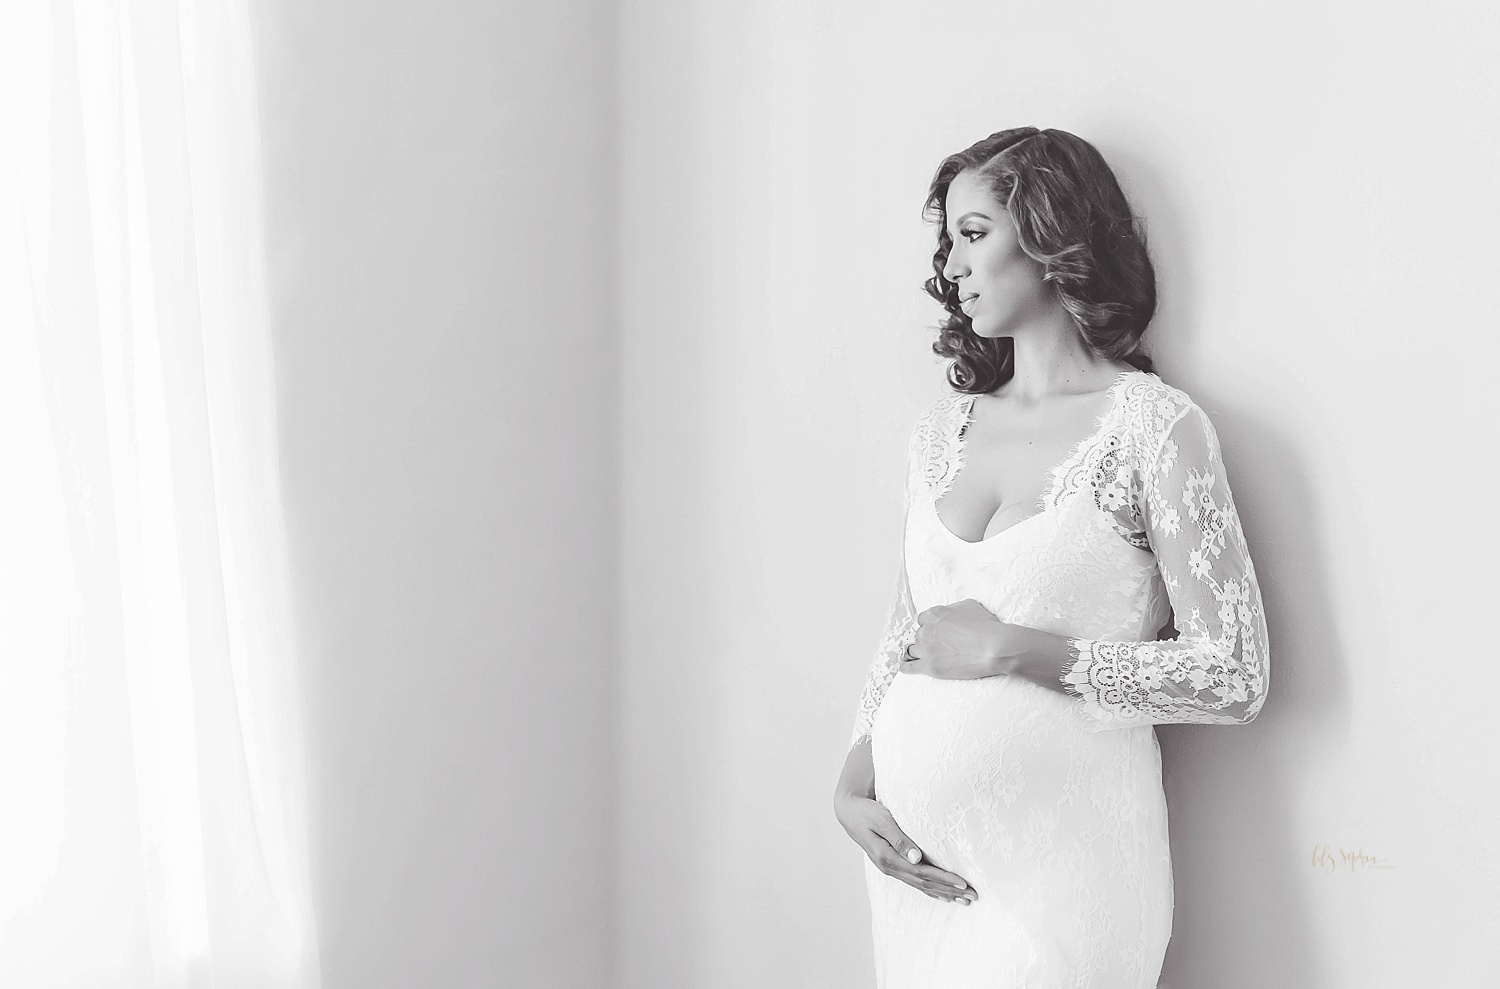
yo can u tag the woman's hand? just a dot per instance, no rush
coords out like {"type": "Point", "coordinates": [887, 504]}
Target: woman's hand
{"type": "Point", "coordinates": [963, 641]}
{"type": "Point", "coordinates": [876, 831]}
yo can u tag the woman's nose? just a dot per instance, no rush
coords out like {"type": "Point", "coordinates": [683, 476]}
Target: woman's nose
{"type": "Point", "coordinates": [953, 267]}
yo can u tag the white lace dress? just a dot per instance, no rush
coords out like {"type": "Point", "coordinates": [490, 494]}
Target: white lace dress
{"type": "Point", "coordinates": [1050, 804]}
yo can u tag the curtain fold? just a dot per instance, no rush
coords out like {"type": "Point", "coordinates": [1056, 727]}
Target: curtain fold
{"type": "Point", "coordinates": [151, 752]}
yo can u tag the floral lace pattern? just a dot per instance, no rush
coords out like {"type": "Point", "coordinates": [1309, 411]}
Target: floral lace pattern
{"type": "Point", "coordinates": [1216, 671]}
{"type": "Point", "coordinates": [934, 458]}
{"type": "Point", "coordinates": [1059, 825]}
{"type": "Point", "coordinates": [1154, 472]}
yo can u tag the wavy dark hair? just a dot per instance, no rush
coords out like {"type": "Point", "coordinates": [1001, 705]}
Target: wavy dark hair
{"type": "Point", "coordinates": [1071, 217]}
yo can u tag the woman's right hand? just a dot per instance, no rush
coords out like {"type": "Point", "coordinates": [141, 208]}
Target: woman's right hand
{"type": "Point", "coordinates": [873, 828]}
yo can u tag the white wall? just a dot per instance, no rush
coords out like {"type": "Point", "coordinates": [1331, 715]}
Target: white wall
{"type": "Point", "coordinates": [480, 471]}
{"type": "Point", "coordinates": [442, 229]}
{"type": "Point", "coordinates": [1319, 186]}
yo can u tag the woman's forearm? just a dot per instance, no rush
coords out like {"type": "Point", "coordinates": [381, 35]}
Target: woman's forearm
{"type": "Point", "coordinates": [858, 777]}
{"type": "Point", "coordinates": [1040, 657]}
{"type": "Point", "coordinates": [966, 641]}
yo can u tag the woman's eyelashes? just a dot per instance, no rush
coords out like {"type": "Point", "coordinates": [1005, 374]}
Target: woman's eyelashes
{"type": "Point", "coordinates": [971, 234]}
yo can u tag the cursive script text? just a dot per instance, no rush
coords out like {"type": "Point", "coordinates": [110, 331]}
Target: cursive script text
{"type": "Point", "coordinates": [1331, 859]}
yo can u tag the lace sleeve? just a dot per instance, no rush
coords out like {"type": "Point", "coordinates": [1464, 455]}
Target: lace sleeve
{"type": "Point", "coordinates": [900, 627]}
{"type": "Point", "coordinates": [1218, 669]}
{"type": "Point", "coordinates": [900, 632]}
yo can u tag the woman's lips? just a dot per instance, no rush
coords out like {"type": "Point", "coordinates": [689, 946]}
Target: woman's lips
{"type": "Point", "coordinates": [967, 304]}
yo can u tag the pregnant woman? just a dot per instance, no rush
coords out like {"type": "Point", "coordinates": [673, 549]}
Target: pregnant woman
{"type": "Point", "coordinates": [1073, 573]}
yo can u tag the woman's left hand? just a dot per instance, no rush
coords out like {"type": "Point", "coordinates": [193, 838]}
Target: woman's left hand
{"type": "Point", "coordinates": [964, 641]}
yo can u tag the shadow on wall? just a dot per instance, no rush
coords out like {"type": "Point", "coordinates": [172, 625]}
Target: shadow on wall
{"type": "Point", "coordinates": [1240, 919]}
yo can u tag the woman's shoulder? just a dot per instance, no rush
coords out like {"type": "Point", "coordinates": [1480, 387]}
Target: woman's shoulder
{"type": "Point", "coordinates": [943, 416]}
{"type": "Point", "coordinates": [935, 443]}
{"type": "Point", "coordinates": [1151, 407]}
{"type": "Point", "coordinates": [949, 404]}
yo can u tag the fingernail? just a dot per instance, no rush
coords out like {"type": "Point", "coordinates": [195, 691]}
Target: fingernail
{"type": "Point", "coordinates": [914, 856]}
{"type": "Point", "coordinates": [960, 885]}
{"type": "Point", "coordinates": [964, 900]}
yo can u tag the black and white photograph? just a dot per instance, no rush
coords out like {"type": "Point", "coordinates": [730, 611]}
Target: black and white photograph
{"type": "Point", "coordinates": [797, 494]}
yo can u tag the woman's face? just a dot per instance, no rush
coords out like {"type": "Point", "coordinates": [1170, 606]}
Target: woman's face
{"type": "Point", "coordinates": [999, 286]}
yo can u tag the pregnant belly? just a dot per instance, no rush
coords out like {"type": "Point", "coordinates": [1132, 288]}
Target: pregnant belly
{"type": "Point", "coordinates": [926, 725]}
{"type": "Point", "coordinates": [1061, 831]}
{"type": "Point", "coordinates": [986, 774]}
{"type": "Point", "coordinates": [964, 764]}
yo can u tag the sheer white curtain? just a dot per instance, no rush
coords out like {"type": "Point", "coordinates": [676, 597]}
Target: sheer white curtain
{"type": "Point", "coordinates": [151, 780]}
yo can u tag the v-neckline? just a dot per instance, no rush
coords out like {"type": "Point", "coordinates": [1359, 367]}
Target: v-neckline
{"type": "Point", "coordinates": [961, 441]}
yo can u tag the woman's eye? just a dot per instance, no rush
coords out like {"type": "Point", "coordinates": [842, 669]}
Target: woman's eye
{"type": "Point", "coordinates": [971, 234]}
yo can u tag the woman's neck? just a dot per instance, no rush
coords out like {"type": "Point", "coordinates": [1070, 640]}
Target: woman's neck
{"type": "Point", "coordinates": [1053, 360]}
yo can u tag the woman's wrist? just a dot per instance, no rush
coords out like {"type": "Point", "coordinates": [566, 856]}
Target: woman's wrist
{"type": "Point", "coordinates": [858, 777]}
{"type": "Point", "coordinates": [1014, 650]}
{"type": "Point", "coordinates": [854, 793]}
{"type": "Point", "coordinates": [1035, 655]}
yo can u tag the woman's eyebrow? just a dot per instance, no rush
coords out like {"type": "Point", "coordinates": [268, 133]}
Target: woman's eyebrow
{"type": "Point", "coordinates": [971, 213]}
